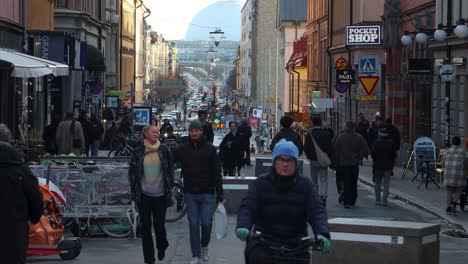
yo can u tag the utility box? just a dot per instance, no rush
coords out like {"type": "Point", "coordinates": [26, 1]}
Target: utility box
{"type": "Point", "coordinates": [235, 189]}
{"type": "Point", "coordinates": [263, 165]}
{"type": "Point", "coordinates": [366, 241]}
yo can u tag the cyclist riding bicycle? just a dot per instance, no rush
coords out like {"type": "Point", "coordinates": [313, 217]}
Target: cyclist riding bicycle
{"type": "Point", "coordinates": [279, 204]}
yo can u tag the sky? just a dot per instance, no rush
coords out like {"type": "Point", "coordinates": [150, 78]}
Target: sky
{"type": "Point", "coordinates": [172, 17]}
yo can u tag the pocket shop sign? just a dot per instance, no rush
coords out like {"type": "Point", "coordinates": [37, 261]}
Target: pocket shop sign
{"type": "Point", "coordinates": [363, 35]}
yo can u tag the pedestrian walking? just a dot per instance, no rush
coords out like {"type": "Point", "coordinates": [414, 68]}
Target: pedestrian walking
{"type": "Point", "coordinates": [323, 140]}
{"type": "Point", "coordinates": [362, 125]}
{"type": "Point", "coordinates": [50, 133]}
{"type": "Point", "coordinates": [454, 174]}
{"type": "Point", "coordinates": [207, 127]}
{"type": "Point", "coordinates": [70, 138]}
{"type": "Point", "coordinates": [245, 132]}
{"type": "Point", "coordinates": [348, 150]}
{"type": "Point", "coordinates": [393, 133]}
{"type": "Point", "coordinates": [258, 140]}
{"type": "Point", "coordinates": [151, 177]}
{"type": "Point", "coordinates": [231, 151]}
{"type": "Point", "coordinates": [383, 156]}
{"type": "Point", "coordinates": [21, 200]}
{"type": "Point", "coordinates": [280, 204]}
{"type": "Point", "coordinates": [287, 133]}
{"type": "Point", "coordinates": [202, 177]}
{"type": "Point", "coordinates": [97, 130]}
{"type": "Point", "coordinates": [373, 136]}
{"type": "Point", "coordinates": [88, 131]}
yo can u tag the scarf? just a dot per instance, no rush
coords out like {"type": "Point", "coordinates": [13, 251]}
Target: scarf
{"type": "Point", "coordinates": [151, 148]}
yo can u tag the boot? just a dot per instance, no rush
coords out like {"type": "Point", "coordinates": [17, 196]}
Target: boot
{"type": "Point", "coordinates": [324, 201]}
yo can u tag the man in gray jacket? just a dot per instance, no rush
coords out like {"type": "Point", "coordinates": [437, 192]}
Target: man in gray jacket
{"type": "Point", "coordinates": [349, 149]}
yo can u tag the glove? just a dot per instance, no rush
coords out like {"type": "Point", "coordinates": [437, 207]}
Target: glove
{"type": "Point", "coordinates": [219, 199]}
{"type": "Point", "coordinates": [242, 233]}
{"type": "Point", "coordinates": [325, 243]}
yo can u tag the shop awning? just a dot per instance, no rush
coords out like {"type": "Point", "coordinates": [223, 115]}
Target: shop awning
{"type": "Point", "coordinates": [94, 59]}
{"type": "Point", "coordinates": [27, 66]}
{"type": "Point", "coordinates": [299, 55]}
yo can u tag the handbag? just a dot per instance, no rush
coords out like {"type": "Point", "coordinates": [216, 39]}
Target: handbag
{"type": "Point", "coordinates": [322, 157]}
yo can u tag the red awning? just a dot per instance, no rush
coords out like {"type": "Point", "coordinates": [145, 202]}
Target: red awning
{"type": "Point", "coordinates": [299, 56]}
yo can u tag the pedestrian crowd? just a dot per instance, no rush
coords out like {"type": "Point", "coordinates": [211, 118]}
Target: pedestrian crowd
{"type": "Point", "coordinates": [280, 203]}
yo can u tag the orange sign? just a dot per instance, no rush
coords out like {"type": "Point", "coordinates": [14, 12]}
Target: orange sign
{"type": "Point", "coordinates": [369, 83]}
{"type": "Point", "coordinates": [341, 64]}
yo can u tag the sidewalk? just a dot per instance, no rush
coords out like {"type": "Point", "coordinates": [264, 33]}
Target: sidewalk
{"type": "Point", "coordinates": [431, 200]}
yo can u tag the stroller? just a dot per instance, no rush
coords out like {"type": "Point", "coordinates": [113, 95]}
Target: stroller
{"type": "Point", "coordinates": [46, 237]}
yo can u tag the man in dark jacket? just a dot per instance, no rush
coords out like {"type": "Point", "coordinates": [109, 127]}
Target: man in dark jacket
{"type": "Point", "coordinates": [21, 200]}
{"type": "Point", "coordinates": [324, 141]}
{"type": "Point", "coordinates": [49, 135]}
{"type": "Point", "coordinates": [393, 133]}
{"type": "Point", "coordinates": [245, 132]}
{"type": "Point", "coordinates": [348, 150]}
{"type": "Point", "coordinates": [287, 133]}
{"type": "Point", "coordinates": [207, 127]}
{"type": "Point", "coordinates": [383, 155]}
{"type": "Point", "coordinates": [202, 177]}
{"type": "Point", "coordinates": [280, 204]}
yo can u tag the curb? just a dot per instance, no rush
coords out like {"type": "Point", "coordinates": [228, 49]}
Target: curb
{"type": "Point", "coordinates": [426, 208]}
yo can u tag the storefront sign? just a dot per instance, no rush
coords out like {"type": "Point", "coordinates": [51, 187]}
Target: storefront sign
{"type": "Point", "coordinates": [345, 76]}
{"type": "Point", "coordinates": [363, 35]}
{"type": "Point", "coordinates": [49, 45]}
{"type": "Point", "coordinates": [253, 121]}
{"type": "Point", "coordinates": [424, 151]}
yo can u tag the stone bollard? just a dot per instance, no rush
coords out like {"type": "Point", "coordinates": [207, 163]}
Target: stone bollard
{"type": "Point", "coordinates": [366, 241]}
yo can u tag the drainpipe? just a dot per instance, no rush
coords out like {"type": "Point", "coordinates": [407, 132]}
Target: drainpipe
{"type": "Point", "coordinates": [330, 44]}
{"type": "Point", "coordinates": [133, 87]}
{"type": "Point", "coordinates": [291, 89]}
{"type": "Point", "coordinates": [25, 28]}
{"type": "Point", "coordinates": [298, 87]}
{"type": "Point", "coordinates": [121, 46]}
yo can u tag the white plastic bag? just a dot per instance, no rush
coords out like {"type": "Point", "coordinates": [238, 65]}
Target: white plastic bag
{"type": "Point", "coordinates": [220, 219]}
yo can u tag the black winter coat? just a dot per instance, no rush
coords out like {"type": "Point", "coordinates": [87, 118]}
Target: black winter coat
{"type": "Point", "coordinates": [245, 132]}
{"type": "Point", "coordinates": [383, 154]}
{"type": "Point", "coordinates": [324, 141]}
{"type": "Point", "coordinates": [136, 171]}
{"type": "Point", "coordinates": [230, 150]}
{"type": "Point", "coordinates": [21, 202]}
{"type": "Point", "coordinates": [208, 132]}
{"type": "Point", "coordinates": [283, 214]}
{"type": "Point", "coordinates": [394, 134]}
{"type": "Point", "coordinates": [200, 166]}
{"type": "Point", "coordinates": [289, 135]}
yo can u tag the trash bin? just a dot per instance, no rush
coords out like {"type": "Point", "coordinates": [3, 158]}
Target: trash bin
{"type": "Point", "coordinates": [384, 242]}
{"type": "Point", "coordinates": [263, 165]}
{"type": "Point", "coordinates": [235, 189]}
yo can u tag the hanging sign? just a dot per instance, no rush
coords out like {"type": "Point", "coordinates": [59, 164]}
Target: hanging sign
{"type": "Point", "coordinates": [447, 72]}
{"type": "Point", "coordinates": [363, 35]}
{"type": "Point", "coordinates": [345, 76]}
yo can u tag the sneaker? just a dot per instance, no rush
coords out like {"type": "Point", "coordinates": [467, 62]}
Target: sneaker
{"type": "Point", "coordinates": [195, 260]}
{"type": "Point", "coordinates": [204, 253]}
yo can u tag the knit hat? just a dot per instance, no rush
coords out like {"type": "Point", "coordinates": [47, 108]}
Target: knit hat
{"type": "Point", "coordinates": [285, 148]}
{"type": "Point", "coordinates": [195, 124]}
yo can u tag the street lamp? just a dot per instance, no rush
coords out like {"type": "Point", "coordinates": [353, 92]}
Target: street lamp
{"type": "Point", "coordinates": [460, 31]}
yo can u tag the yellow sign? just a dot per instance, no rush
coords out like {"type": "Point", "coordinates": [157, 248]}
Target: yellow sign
{"type": "Point", "coordinates": [369, 98]}
{"type": "Point", "coordinates": [369, 83]}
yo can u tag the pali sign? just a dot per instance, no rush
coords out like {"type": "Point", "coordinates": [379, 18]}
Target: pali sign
{"type": "Point", "coordinates": [363, 35]}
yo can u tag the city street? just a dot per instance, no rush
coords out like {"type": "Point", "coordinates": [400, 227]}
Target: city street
{"type": "Point", "coordinates": [230, 250]}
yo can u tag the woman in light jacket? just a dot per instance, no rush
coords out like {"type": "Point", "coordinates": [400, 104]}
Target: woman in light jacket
{"type": "Point", "coordinates": [454, 174]}
{"type": "Point", "coordinates": [151, 177]}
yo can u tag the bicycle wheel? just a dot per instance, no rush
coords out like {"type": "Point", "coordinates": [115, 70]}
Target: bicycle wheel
{"type": "Point", "coordinates": [178, 208]}
{"type": "Point", "coordinates": [114, 153]}
{"type": "Point", "coordinates": [115, 228]}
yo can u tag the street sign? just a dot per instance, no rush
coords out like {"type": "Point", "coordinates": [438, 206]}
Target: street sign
{"type": "Point", "coordinates": [369, 83]}
{"type": "Point", "coordinates": [341, 64]}
{"type": "Point", "coordinates": [367, 66]}
{"type": "Point", "coordinates": [368, 98]}
{"type": "Point", "coordinates": [447, 72]}
{"type": "Point", "coordinates": [95, 88]}
{"type": "Point", "coordinates": [345, 76]}
{"type": "Point", "coordinates": [341, 98]}
{"type": "Point", "coordinates": [341, 87]}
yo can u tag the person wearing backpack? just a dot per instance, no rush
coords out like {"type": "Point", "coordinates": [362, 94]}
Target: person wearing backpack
{"type": "Point", "coordinates": [319, 138]}
{"type": "Point", "coordinates": [287, 133]}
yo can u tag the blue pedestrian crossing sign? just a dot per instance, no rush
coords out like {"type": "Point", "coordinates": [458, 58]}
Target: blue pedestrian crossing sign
{"type": "Point", "coordinates": [367, 66]}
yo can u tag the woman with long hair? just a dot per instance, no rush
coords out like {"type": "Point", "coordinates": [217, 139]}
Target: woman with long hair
{"type": "Point", "coordinates": [151, 177]}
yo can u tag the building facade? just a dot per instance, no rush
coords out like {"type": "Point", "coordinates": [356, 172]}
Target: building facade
{"type": "Point", "coordinates": [452, 51]}
{"type": "Point", "coordinates": [291, 26]}
{"type": "Point", "coordinates": [246, 49]}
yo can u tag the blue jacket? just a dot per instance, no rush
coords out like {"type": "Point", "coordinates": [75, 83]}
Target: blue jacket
{"type": "Point", "coordinates": [283, 214]}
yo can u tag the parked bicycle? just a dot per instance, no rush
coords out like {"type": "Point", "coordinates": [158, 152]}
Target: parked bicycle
{"type": "Point", "coordinates": [178, 208]}
{"type": "Point", "coordinates": [125, 145]}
